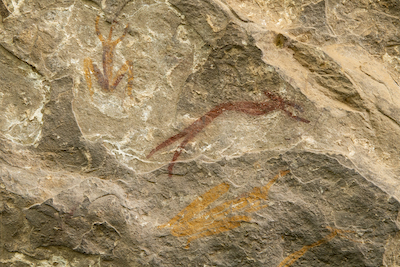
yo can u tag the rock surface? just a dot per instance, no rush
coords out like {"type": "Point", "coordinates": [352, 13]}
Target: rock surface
{"type": "Point", "coordinates": [199, 133]}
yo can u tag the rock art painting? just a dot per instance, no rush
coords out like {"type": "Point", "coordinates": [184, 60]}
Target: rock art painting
{"type": "Point", "coordinates": [106, 80]}
{"type": "Point", "coordinates": [292, 258]}
{"type": "Point", "coordinates": [196, 222]}
{"type": "Point", "coordinates": [250, 108]}
{"type": "Point", "coordinates": [199, 133]}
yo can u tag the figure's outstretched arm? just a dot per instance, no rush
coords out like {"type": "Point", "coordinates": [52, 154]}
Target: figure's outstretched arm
{"type": "Point", "coordinates": [90, 67]}
{"type": "Point", "coordinates": [114, 43]}
{"type": "Point", "coordinates": [98, 30]}
{"type": "Point", "coordinates": [111, 30]}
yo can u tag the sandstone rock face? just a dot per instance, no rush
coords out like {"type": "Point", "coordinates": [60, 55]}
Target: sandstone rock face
{"type": "Point", "coordinates": [199, 133]}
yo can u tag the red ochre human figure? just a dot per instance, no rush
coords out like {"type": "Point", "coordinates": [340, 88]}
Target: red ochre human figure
{"type": "Point", "coordinates": [107, 82]}
{"type": "Point", "coordinates": [248, 107]}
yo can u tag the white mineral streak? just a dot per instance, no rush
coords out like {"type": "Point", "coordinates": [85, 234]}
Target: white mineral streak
{"type": "Point", "coordinates": [25, 127]}
{"type": "Point", "coordinates": [373, 84]}
{"type": "Point", "coordinates": [53, 261]}
{"type": "Point", "coordinates": [15, 6]}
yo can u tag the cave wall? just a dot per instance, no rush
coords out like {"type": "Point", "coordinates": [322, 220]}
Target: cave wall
{"type": "Point", "coordinates": [199, 133]}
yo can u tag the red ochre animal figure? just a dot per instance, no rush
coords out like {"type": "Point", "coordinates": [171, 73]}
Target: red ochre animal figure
{"type": "Point", "coordinates": [106, 80]}
{"type": "Point", "coordinates": [248, 107]}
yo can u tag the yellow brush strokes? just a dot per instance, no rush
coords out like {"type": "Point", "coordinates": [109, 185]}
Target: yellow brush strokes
{"type": "Point", "coordinates": [289, 260]}
{"type": "Point", "coordinates": [194, 222]}
{"type": "Point", "coordinates": [107, 81]}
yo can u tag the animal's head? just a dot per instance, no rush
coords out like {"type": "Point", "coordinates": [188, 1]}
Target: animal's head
{"type": "Point", "coordinates": [283, 105]}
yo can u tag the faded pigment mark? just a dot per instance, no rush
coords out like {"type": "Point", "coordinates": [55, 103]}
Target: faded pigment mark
{"type": "Point", "coordinates": [194, 222]}
{"type": "Point", "coordinates": [252, 108]}
{"type": "Point", "coordinates": [105, 79]}
{"type": "Point", "coordinates": [292, 258]}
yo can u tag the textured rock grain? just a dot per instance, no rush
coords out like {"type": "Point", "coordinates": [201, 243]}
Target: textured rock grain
{"type": "Point", "coordinates": [84, 180]}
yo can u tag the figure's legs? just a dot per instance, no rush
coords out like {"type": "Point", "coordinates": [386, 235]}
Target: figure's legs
{"type": "Point", "coordinates": [127, 67]}
{"type": "Point", "coordinates": [90, 67]}
{"type": "Point", "coordinates": [118, 76]}
{"type": "Point", "coordinates": [100, 77]}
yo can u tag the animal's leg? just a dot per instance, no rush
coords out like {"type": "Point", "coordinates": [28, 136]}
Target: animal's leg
{"type": "Point", "coordinates": [167, 143]}
{"type": "Point", "coordinates": [178, 153]}
{"type": "Point", "coordinates": [193, 130]}
{"type": "Point", "coordinates": [262, 193]}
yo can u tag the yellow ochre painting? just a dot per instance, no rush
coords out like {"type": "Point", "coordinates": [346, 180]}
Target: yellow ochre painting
{"type": "Point", "coordinates": [196, 223]}
{"type": "Point", "coordinates": [292, 258]}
